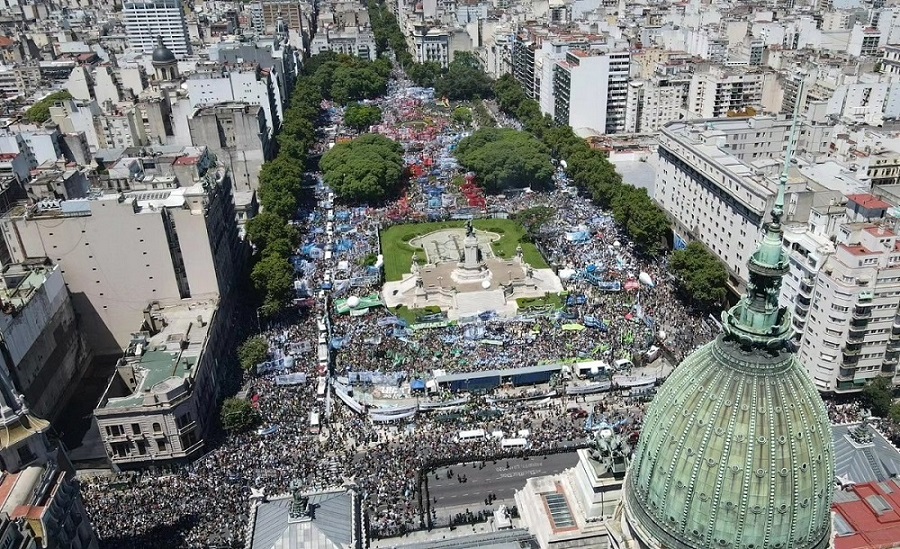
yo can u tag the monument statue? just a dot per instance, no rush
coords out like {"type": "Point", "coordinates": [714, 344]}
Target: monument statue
{"type": "Point", "coordinates": [611, 450]}
{"type": "Point", "coordinates": [470, 231]}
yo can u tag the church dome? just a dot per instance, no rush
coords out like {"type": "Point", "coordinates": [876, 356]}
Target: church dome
{"type": "Point", "coordinates": [162, 54]}
{"type": "Point", "coordinates": [736, 453]}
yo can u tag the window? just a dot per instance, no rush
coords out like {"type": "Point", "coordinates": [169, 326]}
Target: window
{"type": "Point", "coordinates": [136, 428]}
{"type": "Point", "coordinates": [26, 456]}
{"type": "Point", "coordinates": [156, 427]}
{"type": "Point", "coordinates": [161, 445]}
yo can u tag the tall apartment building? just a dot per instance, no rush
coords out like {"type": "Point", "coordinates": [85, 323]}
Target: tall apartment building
{"type": "Point", "coordinates": [552, 50]}
{"type": "Point", "coordinates": [146, 21]}
{"type": "Point", "coordinates": [266, 15]}
{"type": "Point", "coordinates": [161, 401]}
{"type": "Point", "coordinates": [523, 70]}
{"type": "Point", "coordinates": [591, 89]}
{"type": "Point", "coordinates": [237, 134]}
{"type": "Point", "coordinates": [852, 335]}
{"type": "Point", "coordinates": [42, 349]}
{"type": "Point", "coordinates": [120, 251]}
{"type": "Point", "coordinates": [717, 91]}
{"type": "Point", "coordinates": [650, 105]}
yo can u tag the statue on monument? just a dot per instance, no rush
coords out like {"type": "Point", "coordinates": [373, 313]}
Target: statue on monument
{"type": "Point", "coordinates": [611, 450]}
{"type": "Point", "coordinates": [470, 231]}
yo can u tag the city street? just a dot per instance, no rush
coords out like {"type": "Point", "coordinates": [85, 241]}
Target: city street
{"type": "Point", "coordinates": [494, 478]}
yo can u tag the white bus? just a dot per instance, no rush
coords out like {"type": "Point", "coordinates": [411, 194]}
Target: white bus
{"type": "Point", "coordinates": [320, 389]}
{"type": "Point", "coordinates": [314, 423]}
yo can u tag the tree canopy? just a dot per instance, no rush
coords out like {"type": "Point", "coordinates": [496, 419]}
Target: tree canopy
{"type": "Point", "coordinates": [238, 415]}
{"type": "Point", "coordinates": [425, 74]}
{"type": "Point", "coordinates": [40, 111]}
{"type": "Point", "coordinates": [267, 229]}
{"type": "Point", "coordinates": [368, 169]}
{"type": "Point", "coordinates": [273, 275]}
{"type": "Point", "coordinates": [360, 117]}
{"type": "Point", "coordinates": [462, 116]}
{"type": "Point", "coordinates": [464, 79]}
{"type": "Point", "coordinates": [700, 275]}
{"type": "Point", "coordinates": [345, 78]}
{"type": "Point", "coordinates": [534, 218]}
{"type": "Point", "coordinates": [506, 159]}
{"type": "Point", "coordinates": [589, 169]}
{"type": "Point", "coordinates": [878, 397]}
{"type": "Point", "coordinates": [253, 351]}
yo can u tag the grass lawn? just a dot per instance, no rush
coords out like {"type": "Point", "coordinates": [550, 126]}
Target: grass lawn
{"type": "Point", "coordinates": [554, 301]}
{"type": "Point", "coordinates": [411, 316]}
{"type": "Point", "coordinates": [398, 253]}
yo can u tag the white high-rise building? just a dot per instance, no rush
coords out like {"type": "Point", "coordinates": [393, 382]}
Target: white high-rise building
{"type": "Point", "coordinates": [852, 335]}
{"type": "Point", "coordinates": [146, 21]}
{"type": "Point", "coordinates": [590, 90]}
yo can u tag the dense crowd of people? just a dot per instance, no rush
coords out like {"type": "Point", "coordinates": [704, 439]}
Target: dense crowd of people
{"type": "Point", "coordinates": [207, 503]}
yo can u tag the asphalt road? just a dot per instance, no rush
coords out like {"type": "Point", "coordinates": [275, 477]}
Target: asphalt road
{"type": "Point", "coordinates": [495, 478]}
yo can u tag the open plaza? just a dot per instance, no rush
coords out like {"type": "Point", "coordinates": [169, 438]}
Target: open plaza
{"type": "Point", "coordinates": [428, 332]}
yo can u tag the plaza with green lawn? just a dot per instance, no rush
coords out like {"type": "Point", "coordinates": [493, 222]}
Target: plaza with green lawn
{"type": "Point", "coordinates": [398, 253]}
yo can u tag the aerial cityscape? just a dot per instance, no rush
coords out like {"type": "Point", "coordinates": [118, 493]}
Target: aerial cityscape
{"type": "Point", "coordinates": [493, 274]}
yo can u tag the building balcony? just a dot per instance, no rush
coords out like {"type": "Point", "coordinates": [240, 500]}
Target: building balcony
{"type": "Point", "coordinates": [850, 361]}
{"type": "Point", "coordinates": [859, 323]}
{"type": "Point", "coordinates": [187, 427]}
{"type": "Point", "coordinates": [801, 310]}
{"type": "Point", "coordinates": [851, 349]}
{"type": "Point", "coordinates": [798, 323]}
{"type": "Point", "coordinates": [805, 289]}
{"type": "Point", "coordinates": [862, 313]}
{"type": "Point", "coordinates": [846, 373]}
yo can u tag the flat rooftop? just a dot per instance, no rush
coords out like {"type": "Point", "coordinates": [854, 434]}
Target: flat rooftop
{"type": "Point", "coordinates": [158, 364]}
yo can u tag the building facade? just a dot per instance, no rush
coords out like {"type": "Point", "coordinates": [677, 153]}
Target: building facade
{"type": "Point", "coordinates": [146, 21]}
{"type": "Point", "coordinates": [718, 91]}
{"type": "Point", "coordinates": [162, 399]}
{"type": "Point", "coordinates": [852, 334]}
{"type": "Point", "coordinates": [586, 79]}
{"type": "Point", "coordinates": [42, 349]}
{"type": "Point", "coordinates": [237, 134]}
{"type": "Point", "coordinates": [179, 243]}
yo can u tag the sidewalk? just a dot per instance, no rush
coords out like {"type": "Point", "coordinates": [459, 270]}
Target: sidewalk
{"type": "Point", "coordinates": [441, 534]}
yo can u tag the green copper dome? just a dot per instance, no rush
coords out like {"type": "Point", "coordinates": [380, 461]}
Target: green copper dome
{"type": "Point", "coordinates": [736, 450]}
{"type": "Point", "coordinates": [736, 453]}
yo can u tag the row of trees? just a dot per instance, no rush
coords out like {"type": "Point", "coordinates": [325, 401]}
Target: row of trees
{"type": "Point", "coordinates": [506, 159]}
{"type": "Point", "coordinates": [462, 80]}
{"type": "Point", "coordinates": [340, 78]}
{"type": "Point", "coordinates": [589, 169]}
{"type": "Point", "coordinates": [699, 273]}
